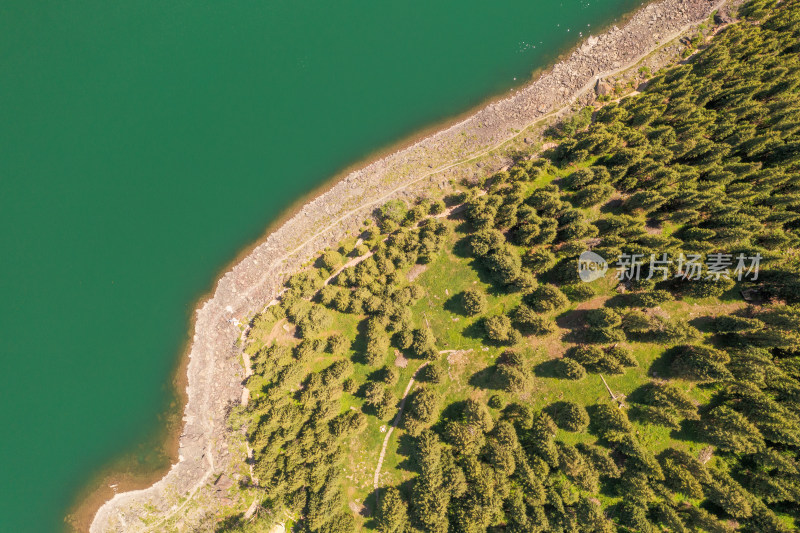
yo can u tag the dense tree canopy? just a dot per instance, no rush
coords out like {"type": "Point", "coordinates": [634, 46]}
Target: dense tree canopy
{"type": "Point", "coordinates": [661, 397]}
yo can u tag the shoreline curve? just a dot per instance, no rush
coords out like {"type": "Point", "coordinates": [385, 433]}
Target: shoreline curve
{"type": "Point", "coordinates": [214, 373]}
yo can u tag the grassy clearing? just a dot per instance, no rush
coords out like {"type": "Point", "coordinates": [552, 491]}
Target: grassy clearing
{"type": "Point", "coordinates": [444, 279]}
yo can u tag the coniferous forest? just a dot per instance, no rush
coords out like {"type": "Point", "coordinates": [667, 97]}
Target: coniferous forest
{"type": "Point", "coordinates": [663, 396]}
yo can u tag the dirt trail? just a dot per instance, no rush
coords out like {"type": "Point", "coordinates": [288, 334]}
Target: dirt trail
{"type": "Point", "coordinates": [353, 262]}
{"type": "Point", "coordinates": [398, 416]}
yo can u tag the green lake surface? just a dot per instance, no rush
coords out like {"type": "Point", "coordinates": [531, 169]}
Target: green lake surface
{"type": "Point", "coordinates": [144, 143]}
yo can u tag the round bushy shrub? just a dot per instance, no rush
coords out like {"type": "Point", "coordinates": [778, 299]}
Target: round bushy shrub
{"type": "Point", "coordinates": [474, 302]}
{"type": "Point", "coordinates": [336, 344]}
{"type": "Point", "coordinates": [571, 369]}
{"type": "Point", "coordinates": [547, 298]}
{"type": "Point", "coordinates": [499, 329]}
{"type": "Point", "coordinates": [330, 260]}
{"type": "Point", "coordinates": [431, 374]}
{"type": "Point", "coordinates": [603, 318]}
{"type": "Point", "coordinates": [349, 385]}
{"type": "Point", "coordinates": [623, 355]}
{"type": "Point", "coordinates": [496, 402]}
{"type": "Point", "coordinates": [572, 417]}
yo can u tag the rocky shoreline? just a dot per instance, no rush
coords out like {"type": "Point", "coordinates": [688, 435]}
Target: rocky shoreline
{"type": "Point", "coordinates": [215, 374]}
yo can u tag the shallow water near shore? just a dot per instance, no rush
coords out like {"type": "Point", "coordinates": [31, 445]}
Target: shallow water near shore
{"type": "Point", "coordinates": [142, 144]}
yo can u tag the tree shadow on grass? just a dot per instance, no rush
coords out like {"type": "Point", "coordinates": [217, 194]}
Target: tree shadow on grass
{"type": "Point", "coordinates": [575, 322]}
{"type": "Point", "coordinates": [728, 340]}
{"type": "Point", "coordinates": [359, 345]}
{"type": "Point", "coordinates": [661, 367]}
{"type": "Point", "coordinates": [454, 411]}
{"type": "Point", "coordinates": [703, 323]}
{"type": "Point", "coordinates": [734, 294]}
{"type": "Point", "coordinates": [455, 304]}
{"type": "Point", "coordinates": [462, 225]}
{"type": "Point", "coordinates": [485, 276]}
{"type": "Point", "coordinates": [318, 264]}
{"type": "Point", "coordinates": [380, 375]}
{"type": "Point", "coordinates": [556, 411]}
{"type": "Point", "coordinates": [572, 319]}
{"type": "Point", "coordinates": [406, 447]}
{"type": "Point", "coordinates": [615, 509]}
{"type": "Point", "coordinates": [612, 207]}
{"type": "Point", "coordinates": [361, 392]}
{"type": "Point", "coordinates": [548, 369]}
{"type": "Point", "coordinates": [370, 509]}
{"type": "Point", "coordinates": [453, 199]}
{"type": "Point", "coordinates": [639, 394]}
{"type": "Point", "coordinates": [691, 431]}
{"type": "Point", "coordinates": [594, 427]}
{"type": "Point", "coordinates": [474, 330]}
{"type": "Point", "coordinates": [577, 336]}
{"type": "Point", "coordinates": [485, 379]}
{"type": "Point", "coordinates": [621, 300]}
{"type": "Point", "coordinates": [461, 248]}
{"type": "Point", "coordinates": [564, 272]}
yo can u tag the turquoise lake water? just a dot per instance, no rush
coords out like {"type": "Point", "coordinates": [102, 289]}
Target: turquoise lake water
{"type": "Point", "coordinates": [143, 144]}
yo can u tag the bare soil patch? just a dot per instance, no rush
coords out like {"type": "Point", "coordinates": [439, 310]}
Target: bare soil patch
{"type": "Point", "coordinates": [457, 360]}
{"type": "Point", "coordinates": [415, 271]}
{"type": "Point", "coordinates": [400, 360]}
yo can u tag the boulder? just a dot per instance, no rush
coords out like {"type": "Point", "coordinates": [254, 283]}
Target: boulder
{"type": "Point", "coordinates": [722, 17]}
{"type": "Point", "coordinates": [603, 88]}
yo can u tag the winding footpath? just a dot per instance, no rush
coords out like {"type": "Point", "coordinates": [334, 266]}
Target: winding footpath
{"type": "Point", "coordinates": [398, 416]}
